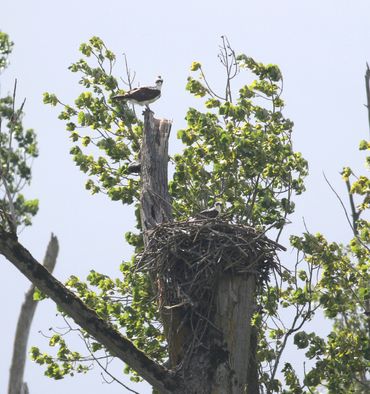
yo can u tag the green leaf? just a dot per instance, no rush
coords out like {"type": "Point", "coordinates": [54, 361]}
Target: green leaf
{"type": "Point", "coordinates": [301, 340]}
{"type": "Point", "coordinates": [364, 145]}
{"type": "Point", "coordinates": [38, 295]}
{"type": "Point", "coordinates": [86, 141]}
{"type": "Point", "coordinates": [195, 66]}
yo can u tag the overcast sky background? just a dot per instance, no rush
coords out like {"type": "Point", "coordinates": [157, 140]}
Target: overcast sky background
{"type": "Point", "coordinates": [321, 47]}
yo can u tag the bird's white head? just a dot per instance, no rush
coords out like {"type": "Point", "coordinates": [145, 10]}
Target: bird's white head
{"type": "Point", "coordinates": [159, 83]}
{"type": "Point", "coordinates": [218, 206]}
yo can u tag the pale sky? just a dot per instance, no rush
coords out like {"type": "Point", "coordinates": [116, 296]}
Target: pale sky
{"type": "Point", "coordinates": [321, 47]}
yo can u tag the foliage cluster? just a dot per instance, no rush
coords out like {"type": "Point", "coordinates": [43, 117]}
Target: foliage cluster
{"type": "Point", "coordinates": [18, 147]}
{"type": "Point", "coordinates": [237, 151]}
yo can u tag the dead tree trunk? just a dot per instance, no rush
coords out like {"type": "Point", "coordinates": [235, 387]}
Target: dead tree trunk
{"type": "Point", "coordinates": [155, 200]}
{"type": "Point", "coordinates": [223, 361]}
{"type": "Point", "coordinates": [16, 384]}
{"type": "Point", "coordinates": [220, 361]}
{"type": "Point", "coordinates": [235, 307]}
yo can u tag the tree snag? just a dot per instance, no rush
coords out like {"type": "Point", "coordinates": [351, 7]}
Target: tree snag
{"type": "Point", "coordinates": [16, 384]}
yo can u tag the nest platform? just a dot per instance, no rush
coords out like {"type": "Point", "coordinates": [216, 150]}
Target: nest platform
{"type": "Point", "coordinates": [186, 258]}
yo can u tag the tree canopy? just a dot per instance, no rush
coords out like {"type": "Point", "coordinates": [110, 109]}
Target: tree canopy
{"type": "Point", "coordinates": [237, 150]}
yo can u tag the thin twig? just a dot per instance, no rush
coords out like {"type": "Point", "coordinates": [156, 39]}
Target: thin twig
{"type": "Point", "coordinates": [341, 203]}
{"type": "Point", "coordinates": [13, 216]}
{"type": "Point", "coordinates": [355, 213]}
{"type": "Point", "coordinates": [104, 368]}
{"type": "Point", "coordinates": [367, 86]}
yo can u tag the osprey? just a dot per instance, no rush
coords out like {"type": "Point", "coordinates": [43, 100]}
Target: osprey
{"type": "Point", "coordinates": [210, 213]}
{"type": "Point", "coordinates": [144, 95]}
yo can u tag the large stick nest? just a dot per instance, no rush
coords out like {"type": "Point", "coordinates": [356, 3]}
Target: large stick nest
{"type": "Point", "coordinates": [186, 258]}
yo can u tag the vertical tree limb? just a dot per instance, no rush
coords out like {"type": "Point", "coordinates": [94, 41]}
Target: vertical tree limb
{"type": "Point", "coordinates": [367, 87]}
{"type": "Point", "coordinates": [354, 212]}
{"type": "Point", "coordinates": [16, 384]}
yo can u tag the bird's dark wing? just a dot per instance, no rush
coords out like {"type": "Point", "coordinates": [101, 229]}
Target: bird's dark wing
{"type": "Point", "coordinates": [124, 95]}
{"type": "Point", "coordinates": [208, 213]}
{"type": "Point", "coordinates": [142, 94]}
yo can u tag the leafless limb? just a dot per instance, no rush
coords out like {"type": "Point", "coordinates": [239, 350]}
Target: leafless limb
{"type": "Point", "coordinates": [209, 88]}
{"type": "Point", "coordinates": [130, 76]}
{"type": "Point", "coordinates": [12, 218]}
{"type": "Point", "coordinates": [341, 203]}
{"type": "Point", "coordinates": [104, 368]}
{"type": "Point", "coordinates": [24, 324]}
{"type": "Point", "coordinates": [228, 59]}
{"type": "Point", "coordinates": [354, 211]}
{"type": "Point", "coordinates": [367, 86]}
{"type": "Point", "coordinates": [130, 79]}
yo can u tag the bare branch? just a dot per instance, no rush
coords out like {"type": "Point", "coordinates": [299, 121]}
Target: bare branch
{"type": "Point", "coordinates": [13, 216]}
{"type": "Point", "coordinates": [24, 324]}
{"type": "Point", "coordinates": [105, 369]}
{"type": "Point", "coordinates": [355, 213]}
{"type": "Point", "coordinates": [367, 86]}
{"type": "Point", "coordinates": [341, 203]}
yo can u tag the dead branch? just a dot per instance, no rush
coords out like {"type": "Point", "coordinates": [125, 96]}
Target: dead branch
{"type": "Point", "coordinates": [24, 324]}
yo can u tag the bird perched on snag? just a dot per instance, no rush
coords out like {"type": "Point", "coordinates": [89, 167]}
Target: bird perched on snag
{"type": "Point", "coordinates": [210, 213]}
{"type": "Point", "coordinates": [142, 96]}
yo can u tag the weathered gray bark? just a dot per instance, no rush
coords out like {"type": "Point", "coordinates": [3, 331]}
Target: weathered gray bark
{"type": "Point", "coordinates": [226, 363]}
{"type": "Point", "coordinates": [155, 200]}
{"type": "Point", "coordinates": [235, 307]}
{"type": "Point", "coordinates": [119, 346]}
{"type": "Point", "coordinates": [16, 384]}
